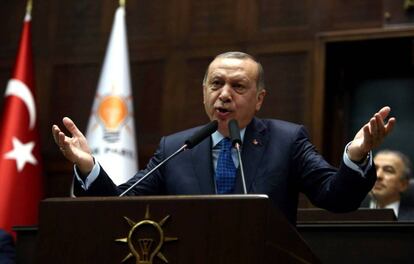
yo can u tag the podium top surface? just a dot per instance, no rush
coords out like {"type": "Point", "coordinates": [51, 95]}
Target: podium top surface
{"type": "Point", "coordinates": [158, 198]}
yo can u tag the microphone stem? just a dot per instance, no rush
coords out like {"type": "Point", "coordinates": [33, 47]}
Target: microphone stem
{"type": "Point", "coordinates": [153, 169]}
{"type": "Point", "coordinates": [241, 168]}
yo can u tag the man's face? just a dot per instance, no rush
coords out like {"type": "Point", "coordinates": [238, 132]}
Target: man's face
{"type": "Point", "coordinates": [230, 92]}
{"type": "Point", "coordinates": [389, 183]}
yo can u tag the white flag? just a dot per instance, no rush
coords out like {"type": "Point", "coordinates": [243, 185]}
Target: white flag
{"type": "Point", "coordinates": [111, 133]}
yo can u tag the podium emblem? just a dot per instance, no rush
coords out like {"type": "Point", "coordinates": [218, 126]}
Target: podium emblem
{"type": "Point", "coordinates": [145, 239]}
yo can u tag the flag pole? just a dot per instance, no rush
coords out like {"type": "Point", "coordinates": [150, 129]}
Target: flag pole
{"type": "Point", "coordinates": [29, 6]}
{"type": "Point", "coordinates": [122, 3]}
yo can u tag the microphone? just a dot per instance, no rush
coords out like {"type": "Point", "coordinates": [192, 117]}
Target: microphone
{"type": "Point", "coordinates": [196, 138]}
{"type": "Point", "coordinates": [234, 131]}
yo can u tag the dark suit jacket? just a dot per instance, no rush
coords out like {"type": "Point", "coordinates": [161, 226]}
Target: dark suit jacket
{"type": "Point", "coordinates": [278, 161]}
{"type": "Point", "coordinates": [406, 210]}
{"type": "Point", "coordinates": [7, 250]}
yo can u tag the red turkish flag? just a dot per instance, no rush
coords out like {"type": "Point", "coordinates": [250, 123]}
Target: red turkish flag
{"type": "Point", "coordinates": [20, 164]}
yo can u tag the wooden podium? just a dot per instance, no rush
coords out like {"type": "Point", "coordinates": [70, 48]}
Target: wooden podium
{"type": "Point", "coordinates": [218, 229]}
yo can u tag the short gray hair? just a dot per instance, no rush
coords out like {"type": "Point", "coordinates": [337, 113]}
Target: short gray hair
{"type": "Point", "coordinates": [407, 170]}
{"type": "Point", "coordinates": [260, 83]}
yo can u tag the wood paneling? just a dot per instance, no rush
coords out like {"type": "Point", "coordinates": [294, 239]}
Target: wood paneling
{"type": "Point", "coordinates": [283, 14]}
{"type": "Point", "coordinates": [214, 22]}
{"type": "Point", "coordinates": [11, 14]}
{"type": "Point", "coordinates": [353, 14]}
{"type": "Point", "coordinates": [282, 21]}
{"type": "Point", "coordinates": [77, 37]}
{"type": "Point", "coordinates": [215, 17]}
{"type": "Point", "coordinates": [285, 75]}
{"type": "Point", "coordinates": [69, 82]}
{"type": "Point", "coordinates": [147, 86]}
{"type": "Point", "coordinates": [193, 111]}
{"type": "Point", "coordinates": [151, 25]}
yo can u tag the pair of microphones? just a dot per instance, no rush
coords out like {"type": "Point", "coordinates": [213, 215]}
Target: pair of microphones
{"type": "Point", "coordinates": [194, 140]}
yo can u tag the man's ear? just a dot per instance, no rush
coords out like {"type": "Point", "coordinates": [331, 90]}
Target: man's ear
{"type": "Point", "coordinates": [404, 185]}
{"type": "Point", "coordinates": [204, 94]}
{"type": "Point", "coordinates": [260, 98]}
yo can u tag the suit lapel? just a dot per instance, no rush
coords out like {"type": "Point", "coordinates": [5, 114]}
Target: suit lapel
{"type": "Point", "coordinates": [254, 144]}
{"type": "Point", "coordinates": [203, 168]}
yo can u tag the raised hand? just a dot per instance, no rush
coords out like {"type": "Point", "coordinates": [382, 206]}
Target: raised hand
{"type": "Point", "coordinates": [74, 148]}
{"type": "Point", "coordinates": [371, 135]}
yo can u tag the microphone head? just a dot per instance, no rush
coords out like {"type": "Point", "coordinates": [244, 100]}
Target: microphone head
{"type": "Point", "coordinates": [201, 134]}
{"type": "Point", "coordinates": [234, 131]}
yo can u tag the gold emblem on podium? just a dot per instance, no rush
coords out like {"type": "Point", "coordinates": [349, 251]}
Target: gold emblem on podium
{"type": "Point", "coordinates": [145, 239]}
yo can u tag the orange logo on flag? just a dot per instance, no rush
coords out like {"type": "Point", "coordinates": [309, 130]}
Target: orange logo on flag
{"type": "Point", "coordinates": [112, 111]}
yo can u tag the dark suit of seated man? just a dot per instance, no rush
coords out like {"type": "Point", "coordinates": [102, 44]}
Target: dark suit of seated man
{"type": "Point", "coordinates": [278, 158]}
{"type": "Point", "coordinates": [7, 249]}
{"type": "Point", "coordinates": [392, 188]}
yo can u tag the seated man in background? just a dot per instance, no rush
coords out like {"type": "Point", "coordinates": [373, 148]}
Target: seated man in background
{"type": "Point", "coordinates": [394, 171]}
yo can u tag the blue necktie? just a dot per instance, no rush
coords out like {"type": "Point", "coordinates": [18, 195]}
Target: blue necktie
{"type": "Point", "coordinates": [225, 171]}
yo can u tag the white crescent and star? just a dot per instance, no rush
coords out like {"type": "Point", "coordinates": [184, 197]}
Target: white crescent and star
{"type": "Point", "coordinates": [22, 152]}
{"type": "Point", "coordinates": [19, 89]}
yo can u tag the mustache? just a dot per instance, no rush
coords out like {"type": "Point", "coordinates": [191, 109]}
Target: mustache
{"type": "Point", "coordinates": [378, 184]}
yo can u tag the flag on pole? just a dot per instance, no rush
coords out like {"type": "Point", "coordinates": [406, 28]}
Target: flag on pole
{"type": "Point", "coordinates": [111, 132]}
{"type": "Point", "coordinates": [20, 164]}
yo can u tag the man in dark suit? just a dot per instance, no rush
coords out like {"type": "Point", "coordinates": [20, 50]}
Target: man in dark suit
{"type": "Point", "coordinates": [278, 158]}
{"type": "Point", "coordinates": [392, 188]}
{"type": "Point", "coordinates": [7, 250]}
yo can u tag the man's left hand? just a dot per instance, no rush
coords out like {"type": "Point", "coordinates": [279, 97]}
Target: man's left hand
{"type": "Point", "coordinates": [371, 135]}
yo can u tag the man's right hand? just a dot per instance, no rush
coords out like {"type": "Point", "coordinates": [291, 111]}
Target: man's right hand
{"type": "Point", "coordinates": [74, 148]}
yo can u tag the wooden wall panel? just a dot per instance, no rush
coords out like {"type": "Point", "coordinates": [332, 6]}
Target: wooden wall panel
{"type": "Point", "coordinates": [353, 14]}
{"type": "Point", "coordinates": [149, 20]}
{"type": "Point", "coordinates": [214, 22]}
{"type": "Point", "coordinates": [151, 25]}
{"type": "Point", "coordinates": [11, 14]}
{"type": "Point", "coordinates": [147, 88]}
{"type": "Point", "coordinates": [81, 30]}
{"type": "Point", "coordinates": [283, 14]}
{"type": "Point", "coordinates": [193, 113]}
{"type": "Point", "coordinates": [286, 77]}
{"type": "Point", "coordinates": [214, 17]}
{"type": "Point", "coordinates": [282, 21]}
{"type": "Point", "coordinates": [73, 91]}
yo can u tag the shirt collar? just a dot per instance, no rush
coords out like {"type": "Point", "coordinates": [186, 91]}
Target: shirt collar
{"type": "Point", "coordinates": [217, 136]}
{"type": "Point", "coordinates": [394, 206]}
